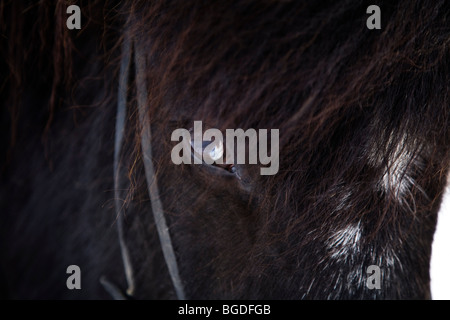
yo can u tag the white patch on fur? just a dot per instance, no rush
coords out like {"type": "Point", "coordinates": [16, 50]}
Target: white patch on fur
{"type": "Point", "coordinates": [396, 179]}
{"type": "Point", "coordinates": [345, 241]}
{"type": "Point", "coordinates": [344, 202]}
{"type": "Point", "coordinates": [391, 258]}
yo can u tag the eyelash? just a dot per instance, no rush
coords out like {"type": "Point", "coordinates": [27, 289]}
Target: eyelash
{"type": "Point", "coordinates": [228, 167]}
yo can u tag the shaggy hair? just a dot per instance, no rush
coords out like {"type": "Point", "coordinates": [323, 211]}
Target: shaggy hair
{"type": "Point", "coordinates": [364, 124]}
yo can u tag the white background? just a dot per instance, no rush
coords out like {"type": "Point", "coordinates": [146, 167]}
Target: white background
{"type": "Point", "coordinates": [440, 259]}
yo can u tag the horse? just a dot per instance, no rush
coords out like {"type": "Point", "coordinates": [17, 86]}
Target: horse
{"type": "Point", "coordinates": [87, 178]}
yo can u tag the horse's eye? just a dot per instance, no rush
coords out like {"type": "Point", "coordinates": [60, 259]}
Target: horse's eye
{"type": "Point", "coordinates": [212, 153]}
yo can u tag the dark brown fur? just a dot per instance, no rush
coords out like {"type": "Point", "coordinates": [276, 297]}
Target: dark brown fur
{"type": "Point", "coordinates": [351, 104]}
